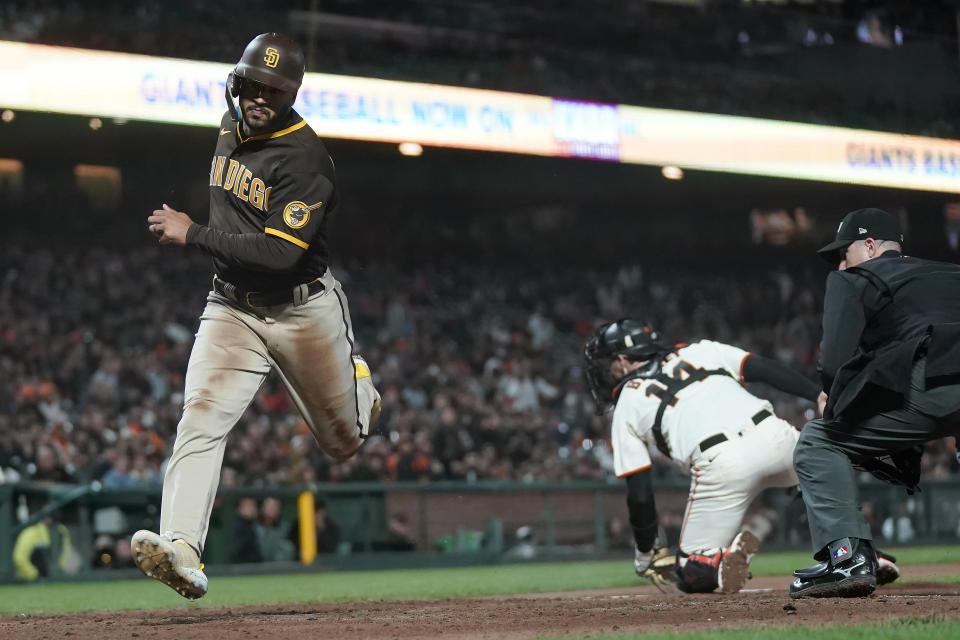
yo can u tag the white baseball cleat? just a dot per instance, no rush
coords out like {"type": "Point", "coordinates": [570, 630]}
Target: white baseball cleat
{"type": "Point", "coordinates": [735, 565]}
{"type": "Point", "coordinates": [174, 563]}
{"type": "Point", "coordinates": [362, 370]}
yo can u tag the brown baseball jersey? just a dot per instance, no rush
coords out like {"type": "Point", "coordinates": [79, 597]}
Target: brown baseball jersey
{"type": "Point", "coordinates": [270, 199]}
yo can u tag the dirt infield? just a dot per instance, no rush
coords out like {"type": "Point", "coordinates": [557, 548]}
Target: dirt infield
{"type": "Point", "coordinates": [763, 603]}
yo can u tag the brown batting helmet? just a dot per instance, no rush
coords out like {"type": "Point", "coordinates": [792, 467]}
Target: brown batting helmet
{"type": "Point", "coordinates": [271, 59]}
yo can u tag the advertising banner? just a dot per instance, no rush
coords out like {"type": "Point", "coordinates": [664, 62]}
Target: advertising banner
{"type": "Point", "coordinates": [115, 85]}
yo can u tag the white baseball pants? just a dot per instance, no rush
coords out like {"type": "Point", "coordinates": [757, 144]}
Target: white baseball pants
{"type": "Point", "coordinates": [728, 476]}
{"type": "Point", "coordinates": [310, 346]}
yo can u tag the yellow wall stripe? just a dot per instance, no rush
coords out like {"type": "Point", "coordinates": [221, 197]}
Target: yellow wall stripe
{"type": "Point", "coordinates": [286, 236]}
{"type": "Point", "coordinates": [308, 527]}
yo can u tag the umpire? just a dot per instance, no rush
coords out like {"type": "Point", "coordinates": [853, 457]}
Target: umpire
{"type": "Point", "coordinates": [890, 367]}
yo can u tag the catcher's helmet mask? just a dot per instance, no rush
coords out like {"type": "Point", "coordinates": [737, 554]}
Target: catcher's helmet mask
{"type": "Point", "coordinates": [635, 339]}
{"type": "Point", "coordinates": [271, 59]}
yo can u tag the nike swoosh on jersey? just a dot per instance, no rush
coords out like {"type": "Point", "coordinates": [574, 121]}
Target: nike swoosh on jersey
{"type": "Point", "coordinates": [224, 132]}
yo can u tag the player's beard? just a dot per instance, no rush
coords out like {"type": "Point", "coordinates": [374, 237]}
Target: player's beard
{"type": "Point", "coordinates": [260, 119]}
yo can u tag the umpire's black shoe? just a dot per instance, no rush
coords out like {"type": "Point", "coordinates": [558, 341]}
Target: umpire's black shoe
{"type": "Point", "coordinates": [851, 572]}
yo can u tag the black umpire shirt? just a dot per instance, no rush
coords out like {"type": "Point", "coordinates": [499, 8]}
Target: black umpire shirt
{"type": "Point", "coordinates": [270, 198]}
{"type": "Point", "coordinates": [878, 318]}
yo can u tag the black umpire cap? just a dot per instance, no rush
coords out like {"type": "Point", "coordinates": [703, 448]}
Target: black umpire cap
{"type": "Point", "coordinates": [861, 224]}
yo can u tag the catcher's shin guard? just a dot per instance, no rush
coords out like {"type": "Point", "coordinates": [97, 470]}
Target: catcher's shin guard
{"type": "Point", "coordinates": [698, 573]}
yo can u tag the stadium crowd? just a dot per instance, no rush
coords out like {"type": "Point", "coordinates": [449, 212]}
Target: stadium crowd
{"type": "Point", "coordinates": [479, 365]}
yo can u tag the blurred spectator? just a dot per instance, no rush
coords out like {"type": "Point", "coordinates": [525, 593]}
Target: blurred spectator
{"type": "Point", "coordinates": [469, 393]}
{"type": "Point", "coordinates": [48, 467]}
{"type": "Point", "coordinates": [327, 531]}
{"type": "Point", "coordinates": [899, 529]}
{"type": "Point", "coordinates": [273, 532]}
{"type": "Point", "coordinates": [119, 476]}
{"type": "Point", "coordinates": [524, 545]}
{"type": "Point", "coordinates": [122, 554]}
{"type": "Point", "coordinates": [619, 535]}
{"type": "Point", "coordinates": [399, 535]}
{"type": "Point", "coordinates": [246, 545]}
{"type": "Point", "coordinates": [124, 475]}
{"type": "Point", "coordinates": [42, 550]}
{"type": "Point", "coordinates": [112, 553]}
{"type": "Point", "coordinates": [143, 475]}
{"type": "Point", "coordinates": [103, 548]}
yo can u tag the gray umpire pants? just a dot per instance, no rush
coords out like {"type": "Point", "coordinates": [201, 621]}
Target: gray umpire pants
{"type": "Point", "coordinates": [822, 457]}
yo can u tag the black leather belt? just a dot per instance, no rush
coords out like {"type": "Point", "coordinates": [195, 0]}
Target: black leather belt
{"type": "Point", "coordinates": [716, 439]}
{"type": "Point", "coordinates": [711, 441]}
{"type": "Point", "coordinates": [266, 298]}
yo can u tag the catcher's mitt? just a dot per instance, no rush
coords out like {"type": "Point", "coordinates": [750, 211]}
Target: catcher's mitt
{"type": "Point", "coordinates": [900, 467]}
{"type": "Point", "coordinates": [662, 570]}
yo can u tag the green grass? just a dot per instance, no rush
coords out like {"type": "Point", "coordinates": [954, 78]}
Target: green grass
{"type": "Point", "coordinates": [344, 586]}
{"type": "Point", "coordinates": [400, 584]}
{"type": "Point", "coordinates": [910, 628]}
{"type": "Point", "coordinates": [784, 563]}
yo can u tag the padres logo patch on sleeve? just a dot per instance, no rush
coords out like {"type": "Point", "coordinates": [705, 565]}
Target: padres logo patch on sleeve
{"type": "Point", "coordinates": [297, 214]}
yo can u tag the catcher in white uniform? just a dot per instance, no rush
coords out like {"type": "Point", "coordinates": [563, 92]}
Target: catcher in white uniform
{"type": "Point", "coordinates": [689, 402]}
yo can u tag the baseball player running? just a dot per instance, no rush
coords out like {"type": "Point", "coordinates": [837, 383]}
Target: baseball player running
{"type": "Point", "coordinates": [274, 304]}
{"type": "Point", "coordinates": [689, 402]}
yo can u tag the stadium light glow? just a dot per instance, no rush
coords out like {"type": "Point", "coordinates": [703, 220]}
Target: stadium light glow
{"type": "Point", "coordinates": [97, 171]}
{"type": "Point", "coordinates": [672, 172]}
{"type": "Point", "coordinates": [410, 149]}
{"type": "Point", "coordinates": [138, 87]}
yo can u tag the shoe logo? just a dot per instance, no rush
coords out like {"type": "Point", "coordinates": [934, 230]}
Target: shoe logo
{"type": "Point", "coordinates": [846, 572]}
